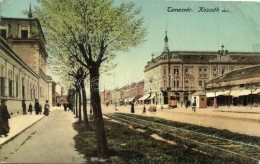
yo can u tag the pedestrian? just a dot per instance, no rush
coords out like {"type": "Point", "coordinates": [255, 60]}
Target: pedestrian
{"type": "Point", "coordinates": [46, 108]}
{"type": "Point", "coordinates": [186, 103]}
{"type": "Point", "coordinates": [40, 109]}
{"type": "Point", "coordinates": [193, 107]}
{"type": "Point", "coordinates": [30, 108]}
{"type": "Point", "coordinates": [24, 107]}
{"type": "Point", "coordinates": [65, 107]}
{"type": "Point", "coordinates": [37, 107]}
{"type": "Point", "coordinates": [4, 117]}
{"type": "Point", "coordinates": [132, 108]}
{"type": "Point", "coordinates": [144, 110]}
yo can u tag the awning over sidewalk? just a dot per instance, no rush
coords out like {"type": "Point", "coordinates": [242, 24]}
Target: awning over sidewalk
{"type": "Point", "coordinates": [257, 91]}
{"type": "Point", "coordinates": [210, 94]}
{"type": "Point", "coordinates": [152, 96]}
{"type": "Point", "coordinates": [131, 99]}
{"type": "Point", "coordinates": [222, 93]}
{"type": "Point", "coordinates": [237, 93]}
{"type": "Point", "coordinates": [245, 92]}
{"type": "Point", "coordinates": [144, 97]}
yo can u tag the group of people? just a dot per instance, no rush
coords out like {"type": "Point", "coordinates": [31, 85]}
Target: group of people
{"type": "Point", "coordinates": [37, 107]}
{"type": "Point", "coordinates": [5, 116]}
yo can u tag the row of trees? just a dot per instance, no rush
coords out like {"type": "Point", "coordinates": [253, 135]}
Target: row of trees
{"type": "Point", "coordinates": [83, 37]}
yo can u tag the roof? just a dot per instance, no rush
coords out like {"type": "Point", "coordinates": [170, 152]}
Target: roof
{"type": "Point", "coordinates": [202, 57]}
{"type": "Point", "coordinates": [239, 74]}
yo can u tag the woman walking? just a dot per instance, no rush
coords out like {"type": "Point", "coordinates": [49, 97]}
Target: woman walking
{"type": "Point", "coordinates": [46, 108]}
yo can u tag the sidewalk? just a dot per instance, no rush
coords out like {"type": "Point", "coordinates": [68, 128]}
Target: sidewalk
{"type": "Point", "coordinates": [20, 123]}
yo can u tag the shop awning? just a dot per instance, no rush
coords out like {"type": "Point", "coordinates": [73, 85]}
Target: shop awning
{"type": "Point", "coordinates": [210, 94]}
{"type": "Point", "coordinates": [257, 91]}
{"type": "Point", "coordinates": [245, 92]}
{"type": "Point", "coordinates": [144, 97]}
{"type": "Point", "coordinates": [237, 93]}
{"type": "Point", "coordinates": [152, 96]}
{"type": "Point", "coordinates": [222, 93]}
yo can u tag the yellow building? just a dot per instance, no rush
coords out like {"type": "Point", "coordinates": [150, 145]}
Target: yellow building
{"type": "Point", "coordinates": [22, 61]}
{"type": "Point", "coordinates": [182, 73]}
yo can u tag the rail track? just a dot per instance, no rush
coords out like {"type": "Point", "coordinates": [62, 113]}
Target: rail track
{"type": "Point", "coordinates": [209, 144]}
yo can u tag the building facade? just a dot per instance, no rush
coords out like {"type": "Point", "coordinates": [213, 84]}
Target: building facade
{"type": "Point", "coordinates": [23, 62]}
{"type": "Point", "coordinates": [125, 95]}
{"type": "Point", "coordinates": [238, 88]}
{"type": "Point", "coordinates": [182, 73]}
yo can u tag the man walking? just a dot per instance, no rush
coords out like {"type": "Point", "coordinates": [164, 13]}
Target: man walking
{"type": "Point", "coordinates": [37, 107]}
{"type": "Point", "coordinates": [4, 116]}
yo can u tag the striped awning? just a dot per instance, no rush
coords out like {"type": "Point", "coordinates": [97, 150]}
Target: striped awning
{"type": "Point", "coordinates": [152, 96]}
{"type": "Point", "coordinates": [144, 97]}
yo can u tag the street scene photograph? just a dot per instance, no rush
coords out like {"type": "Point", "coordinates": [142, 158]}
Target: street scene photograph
{"type": "Point", "coordinates": [129, 81]}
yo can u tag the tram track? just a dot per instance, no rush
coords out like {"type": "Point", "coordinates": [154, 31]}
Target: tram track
{"type": "Point", "coordinates": [198, 141]}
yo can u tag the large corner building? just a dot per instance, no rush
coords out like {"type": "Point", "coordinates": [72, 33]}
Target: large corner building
{"type": "Point", "coordinates": [182, 73]}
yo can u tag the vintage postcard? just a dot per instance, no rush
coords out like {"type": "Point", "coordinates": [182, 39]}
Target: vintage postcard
{"type": "Point", "coordinates": [129, 81]}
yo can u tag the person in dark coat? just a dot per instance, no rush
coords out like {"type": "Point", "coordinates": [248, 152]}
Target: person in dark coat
{"type": "Point", "coordinates": [37, 107]}
{"type": "Point", "coordinates": [144, 110]}
{"type": "Point", "coordinates": [132, 107]}
{"type": "Point", "coordinates": [24, 107]}
{"type": "Point", "coordinates": [65, 106]}
{"type": "Point", "coordinates": [46, 108]}
{"type": "Point", "coordinates": [4, 117]}
{"type": "Point", "coordinates": [30, 108]}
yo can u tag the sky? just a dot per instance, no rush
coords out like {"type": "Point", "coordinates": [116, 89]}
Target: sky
{"type": "Point", "coordinates": [238, 29]}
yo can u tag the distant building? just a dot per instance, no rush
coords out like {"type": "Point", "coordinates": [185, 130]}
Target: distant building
{"type": "Point", "coordinates": [182, 73]}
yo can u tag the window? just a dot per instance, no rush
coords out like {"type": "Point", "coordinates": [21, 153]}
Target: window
{"type": "Point", "coordinates": [23, 88]}
{"type": "Point", "coordinates": [164, 70]}
{"type": "Point", "coordinates": [31, 91]}
{"type": "Point", "coordinates": [2, 81]}
{"type": "Point", "coordinates": [16, 85]}
{"type": "Point", "coordinates": [223, 71]}
{"type": "Point", "coordinates": [176, 71]}
{"type": "Point", "coordinates": [200, 83]}
{"type": "Point", "coordinates": [3, 33]}
{"type": "Point", "coordinates": [10, 83]}
{"type": "Point", "coordinates": [2, 86]}
{"type": "Point", "coordinates": [24, 31]}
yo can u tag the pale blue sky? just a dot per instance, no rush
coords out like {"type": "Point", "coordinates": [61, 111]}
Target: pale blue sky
{"type": "Point", "coordinates": [238, 30]}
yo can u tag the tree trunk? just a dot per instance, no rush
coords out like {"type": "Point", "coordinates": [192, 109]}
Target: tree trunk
{"type": "Point", "coordinates": [102, 147]}
{"type": "Point", "coordinates": [80, 117]}
{"type": "Point", "coordinates": [76, 102]}
{"type": "Point", "coordinates": [82, 86]}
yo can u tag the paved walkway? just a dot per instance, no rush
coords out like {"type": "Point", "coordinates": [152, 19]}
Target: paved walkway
{"type": "Point", "coordinates": [19, 123]}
